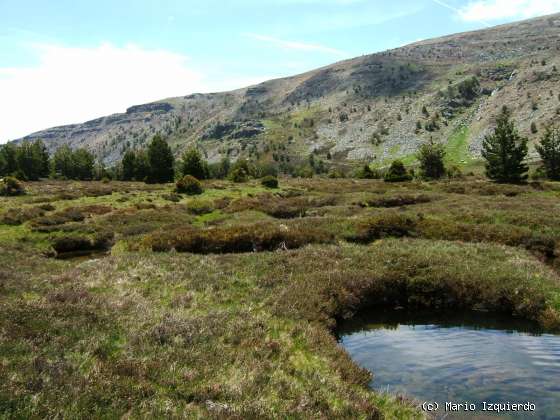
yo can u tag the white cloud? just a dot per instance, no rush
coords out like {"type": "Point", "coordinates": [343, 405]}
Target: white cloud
{"type": "Point", "coordinates": [294, 45]}
{"type": "Point", "coordinates": [487, 10]}
{"type": "Point", "coordinates": [71, 85]}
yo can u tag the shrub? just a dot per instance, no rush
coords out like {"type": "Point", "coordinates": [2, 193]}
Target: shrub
{"type": "Point", "coordinates": [269, 182]}
{"type": "Point", "coordinates": [17, 216]}
{"type": "Point", "coordinates": [335, 174]}
{"type": "Point", "coordinates": [431, 157]}
{"type": "Point", "coordinates": [383, 226]}
{"type": "Point", "coordinates": [10, 186]}
{"type": "Point", "coordinates": [397, 173]}
{"type": "Point", "coordinates": [239, 175]}
{"type": "Point", "coordinates": [189, 185]}
{"type": "Point", "coordinates": [198, 207]}
{"type": "Point", "coordinates": [454, 172]}
{"type": "Point", "coordinates": [173, 197]}
{"type": "Point", "coordinates": [396, 201]}
{"type": "Point", "coordinates": [236, 239]}
{"type": "Point", "coordinates": [70, 244]}
{"type": "Point", "coordinates": [367, 173]}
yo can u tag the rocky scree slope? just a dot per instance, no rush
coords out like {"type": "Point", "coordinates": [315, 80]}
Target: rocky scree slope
{"type": "Point", "coordinates": [368, 109]}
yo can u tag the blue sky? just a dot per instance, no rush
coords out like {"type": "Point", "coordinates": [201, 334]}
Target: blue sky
{"type": "Point", "coordinates": [66, 61]}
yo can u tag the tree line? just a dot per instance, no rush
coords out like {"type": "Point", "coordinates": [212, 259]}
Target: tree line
{"type": "Point", "coordinates": [30, 161]}
{"type": "Point", "coordinates": [504, 151]}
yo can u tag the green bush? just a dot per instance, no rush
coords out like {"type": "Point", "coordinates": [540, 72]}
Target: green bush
{"type": "Point", "coordinates": [239, 175]}
{"type": "Point", "coordinates": [335, 174]}
{"type": "Point", "coordinates": [454, 172]}
{"type": "Point", "coordinates": [198, 207]}
{"type": "Point", "coordinates": [10, 186]}
{"type": "Point", "coordinates": [269, 182]}
{"type": "Point", "coordinates": [430, 156]}
{"type": "Point", "coordinates": [397, 173]}
{"type": "Point", "coordinates": [189, 185]}
{"type": "Point", "coordinates": [366, 172]}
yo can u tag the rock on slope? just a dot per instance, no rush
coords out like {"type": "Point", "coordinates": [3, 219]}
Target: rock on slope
{"type": "Point", "coordinates": [370, 108]}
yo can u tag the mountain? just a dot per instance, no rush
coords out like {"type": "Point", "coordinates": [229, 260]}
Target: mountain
{"type": "Point", "coordinates": [371, 108]}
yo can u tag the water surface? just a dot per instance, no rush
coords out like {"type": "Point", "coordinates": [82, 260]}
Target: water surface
{"type": "Point", "coordinates": [475, 358]}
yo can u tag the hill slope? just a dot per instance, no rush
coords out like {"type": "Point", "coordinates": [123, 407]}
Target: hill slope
{"type": "Point", "coordinates": [370, 108]}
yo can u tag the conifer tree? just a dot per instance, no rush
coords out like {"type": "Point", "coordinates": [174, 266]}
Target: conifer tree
{"type": "Point", "coordinates": [505, 151]}
{"type": "Point", "coordinates": [62, 162]}
{"type": "Point", "coordinates": [141, 166]}
{"type": "Point", "coordinates": [549, 150]}
{"type": "Point", "coordinates": [128, 165]}
{"type": "Point", "coordinates": [28, 164]}
{"type": "Point", "coordinates": [193, 164]}
{"type": "Point", "coordinates": [8, 152]}
{"type": "Point", "coordinates": [42, 158]}
{"type": "Point", "coordinates": [83, 164]}
{"type": "Point", "coordinates": [431, 157]}
{"type": "Point", "coordinates": [161, 161]}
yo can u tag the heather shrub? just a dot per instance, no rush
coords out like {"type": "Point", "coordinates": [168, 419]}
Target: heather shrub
{"type": "Point", "coordinates": [70, 214]}
{"type": "Point", "coordinates": [199, 207]}
{"type": "Point", "coordinates": [396, 201]}
{"type": "Point", "coordinates": [66, 244]}
{"type": "Point", "coordinates": [269, 182]}
{"type": "Point", "coordinates": [235, 239]}
{"type": "Point", "coordinates": [384, 225]}
{"type": "Point", "coordinates": [397, 173]}
{"type": "Point", "coordinates": [10, 186]}
{"type": "Point", "coordinates": [17, 216]}
{"type": "Point", "coordinates": [239, 175]}
{"type": "Point", "coordinates": [173, 197]}
{"type": "Point", "coordinates": [189, 185]}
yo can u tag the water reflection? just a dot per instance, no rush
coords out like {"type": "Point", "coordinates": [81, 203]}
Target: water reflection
{"type": "Point", "coordinates": [472, 357]}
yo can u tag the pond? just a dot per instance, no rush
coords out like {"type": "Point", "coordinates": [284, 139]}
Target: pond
{"type": "Point", "coordinates": [473, 359]}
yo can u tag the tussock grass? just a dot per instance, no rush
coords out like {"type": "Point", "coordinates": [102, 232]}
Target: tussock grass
{"type": "Point", "coordinates": [235, 239]}
{"type": "Point", "coordinates": [218, 330]}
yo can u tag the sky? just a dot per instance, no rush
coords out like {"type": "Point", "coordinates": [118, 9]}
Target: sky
{"type": "Point", "coordinates": [68, 61]}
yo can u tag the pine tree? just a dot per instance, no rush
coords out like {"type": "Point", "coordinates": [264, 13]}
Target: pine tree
{"type": "Point", "coordinates": [3, 166]}
{"type": "Point", "coordinates": [505, 151]}
{"type": "Point", "coordinates": [431, 157]}
{"type": "Point", "coordinates": [83, 164]}
{"type": "Point", "coordinates": [161, 161]}
{"type": "Point", "coordinates": [193, 164]}
{"type": "Point", "coordinates": [62, 162]}
{"type": "Point", "coordinates": [42, 158]}
{"type": "Point", "coordinates": [549, 150]}
{"type": "Point", "coordinates": [8, 152]}
{"type": "Point", "coordinates": [128, 165]}
{"type": "Point", "coordinates": [142, 166]}
{"type": "Point", "coordinates": [225, 166]}
{"type": "Point", "coordinates": [397, 173]}
{"type": "Point", "coordinates": [28, 162]}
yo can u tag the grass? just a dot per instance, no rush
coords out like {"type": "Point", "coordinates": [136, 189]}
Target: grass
{"type": "Point", "coordinates": [457, 148]}
{"type": "Point", "coordinates": [457, 152]}
{"type": "Point", "coordinates": [226, 305]}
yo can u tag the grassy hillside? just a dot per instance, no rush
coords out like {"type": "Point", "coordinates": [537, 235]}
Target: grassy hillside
{"type": "Point", "coordinates": [368, 109]}
{"type": "Point", "coordinates": [128, 300]}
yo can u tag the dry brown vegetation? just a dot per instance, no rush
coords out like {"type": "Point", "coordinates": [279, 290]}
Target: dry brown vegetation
{"type": "Point", "coordinates": [226, 305]}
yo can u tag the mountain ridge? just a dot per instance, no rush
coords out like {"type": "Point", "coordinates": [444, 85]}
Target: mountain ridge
{"type": "Point", "coordinates": [371, 108]}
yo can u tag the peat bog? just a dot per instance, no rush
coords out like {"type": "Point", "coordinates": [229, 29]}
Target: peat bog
{"type": "Point", "coordinates": [227, 304]}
